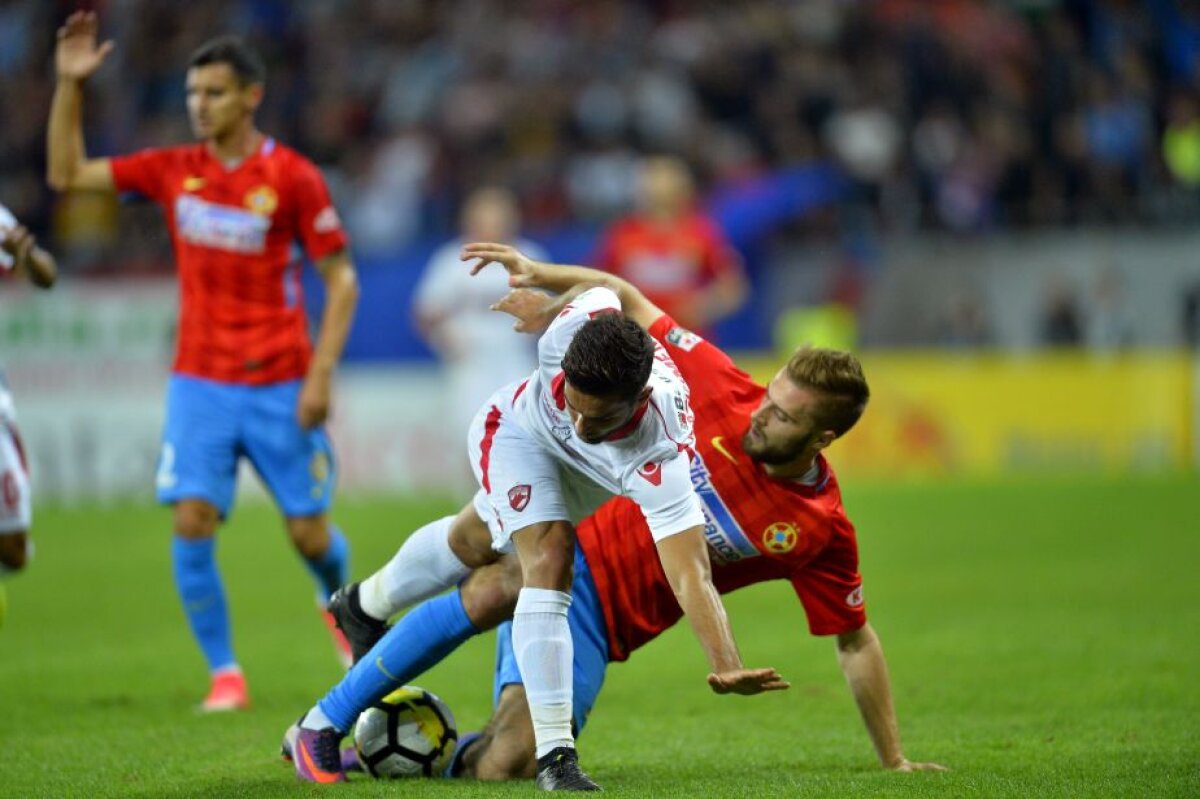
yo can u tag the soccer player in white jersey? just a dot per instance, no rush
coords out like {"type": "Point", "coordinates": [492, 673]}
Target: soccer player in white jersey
{"type": "Point", "coordinates": [21, 257]}
{"type": "Point", "coordinates": [605, 413]}
{"type": "Point", "coordinates": [453, 309]}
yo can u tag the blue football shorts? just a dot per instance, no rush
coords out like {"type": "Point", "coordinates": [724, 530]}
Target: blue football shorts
{"type": "Point", "coordinates": [589, 636]}
{"type": "Point", "coordinates": [211, 425]}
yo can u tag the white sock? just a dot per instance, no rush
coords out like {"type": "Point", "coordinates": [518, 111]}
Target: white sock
{"type": "Point", "coordinates": [542, 643]}
{"type": "Point", "coordinates": [315, 719]}
{"type": "Point", "coordinates": [424, 566]}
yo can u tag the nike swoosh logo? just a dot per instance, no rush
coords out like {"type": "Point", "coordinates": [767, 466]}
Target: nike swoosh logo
{"type": "Point", "coordinates": [719, 447]}
{"type": "Point", "coordinates": [319, 775]}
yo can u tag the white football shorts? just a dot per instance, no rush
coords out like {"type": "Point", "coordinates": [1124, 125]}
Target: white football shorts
{"type": "Point", "coordinates": [15, 504]}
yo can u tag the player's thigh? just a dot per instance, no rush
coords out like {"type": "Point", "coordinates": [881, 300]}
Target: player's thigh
{"type": "Point", "coordinates": [518, 478]}
{"type": "Point", "coordinates": [16, 505]}
{"type": "Point", "coordinates": [295, 463]}
{"type": "Point", "coordinates": [200, 446]}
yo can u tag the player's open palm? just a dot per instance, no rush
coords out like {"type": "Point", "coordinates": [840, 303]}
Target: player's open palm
{"type": "Point", "coordinates": [532, 309]}
{"type": "Point", "coordinates": [747, 681]}
{"type": "Point", "coordinates": [520, 268]}
{"type": "Point", "coordinates": [77, 56]}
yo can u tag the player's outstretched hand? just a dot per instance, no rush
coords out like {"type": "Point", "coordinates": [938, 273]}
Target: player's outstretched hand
{"type": "Point", "coordinates": [532, 309]}
{"type": "Point", "coordinates": [76, 56]}
{"type": "Point", "coordinates": [747, 681]}
{"type": "Point", "coordinates": [520, 268]}
{"type": "Point", "coordinates": [906, 765]}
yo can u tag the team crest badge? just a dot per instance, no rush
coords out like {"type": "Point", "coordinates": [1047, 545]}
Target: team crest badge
{"type": "Point", "coordinates": [780, 537]}
{"type": "Point", "coordinates": [682, 338]}
{"type": "Point", "coordinates": [319, 469]}
{"type": "Point", "coordinates": [262, 200]}
{"type": "Point", "coordinates": [855, 598]}
{"type": "Point", "coordinates": [518, 496]}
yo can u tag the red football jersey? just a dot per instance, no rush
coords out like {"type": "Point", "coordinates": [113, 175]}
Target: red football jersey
{"type": "Point", "coordinates": [668, 263]}
{"type": "Point", "coordinates": [242, 316]}
{"type": "Point", "coordinates": [758, 528]}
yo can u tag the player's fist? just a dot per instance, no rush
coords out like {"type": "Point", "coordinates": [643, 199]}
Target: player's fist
{"type": "Point", "coordinates": [521, 270]}
{"type": "Point", "coordinates": [531, 309]}
{"type": "Point", "coordinates": [747, 681]}
{"type": "Point", "coordinates": [76, 55]}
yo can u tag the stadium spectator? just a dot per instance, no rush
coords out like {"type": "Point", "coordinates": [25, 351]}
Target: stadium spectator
{"type": "Point", "coordinates": [246, 381]}
{"type": "Point", "coordinates": [20, 256]}
{"type": "Point", "coordinates": [1039, 116]}
{"type": "Point", "coordinates": [774, 512]}
{"type": "Point", "coordinates": [453, 309]}
{"type": "Point", "coordinates": [676, 255]}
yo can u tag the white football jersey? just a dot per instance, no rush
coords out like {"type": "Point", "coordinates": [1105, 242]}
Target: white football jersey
{"type": "Point", "coordinates": [648, 460]}
{"type": "Point", "coordinates": [7, 222]}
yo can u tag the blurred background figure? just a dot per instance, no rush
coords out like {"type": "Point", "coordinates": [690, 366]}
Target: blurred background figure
{"type": "Point", "coordinates": [674, 253]}
{"type": "Point", "coordinates": [477, 346]}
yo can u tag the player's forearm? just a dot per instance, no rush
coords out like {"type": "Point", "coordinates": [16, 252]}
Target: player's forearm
{"type": "Point", "coordinates": [64, 136]}
{"type": "Point", "coordinates": [560, 278]}
{"type": "Point", "coordinates": [687, 567]}
{"type": "Point", "coordinates": [341, 299]}
{"type": "Point", "coordinates": [861, 657]}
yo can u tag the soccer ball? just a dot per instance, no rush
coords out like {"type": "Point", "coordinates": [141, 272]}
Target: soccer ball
{"type": "Point", "coordinates": [408, 733]}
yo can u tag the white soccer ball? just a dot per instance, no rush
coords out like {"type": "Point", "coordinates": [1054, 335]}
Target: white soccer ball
{"type": "Point", "coordinates": [408, 733]}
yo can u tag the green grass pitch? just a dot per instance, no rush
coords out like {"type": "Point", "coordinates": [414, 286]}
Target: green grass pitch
{"type": "Point", "coordinates": [1043, 639]}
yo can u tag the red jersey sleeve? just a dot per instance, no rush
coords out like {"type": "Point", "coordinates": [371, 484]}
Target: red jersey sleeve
{"type": "Point", "coordinates": [830, 587]}
{"type": "Point", "coordinates": [606, 255]}
{"type": "Point", "coordinates": [700, 362]}
{"type": "Point", "coordinates": [318, 225]}
{"type": "Point", "coordinates": [144, 172]}
{"type": "Point", "coordinates": [720, 258]}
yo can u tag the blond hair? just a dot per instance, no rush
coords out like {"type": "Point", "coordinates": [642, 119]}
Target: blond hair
{"type": "Point", "coordinates": [838, 378]}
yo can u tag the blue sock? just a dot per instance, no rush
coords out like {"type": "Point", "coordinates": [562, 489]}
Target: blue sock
{"type": "Point", "coordinates": [331, 569]}
{"type": "Point", "coordinates": [203, 597]}
{"type": "Point", "coordinates": [422, 637]}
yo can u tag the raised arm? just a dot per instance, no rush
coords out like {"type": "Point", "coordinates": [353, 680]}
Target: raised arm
{"type": "Point", "coordinates": [76, 57]}
{"type": "Point", "coordinates": [341, 298]}
{"type": "Point", "coordinates": [526, 273]}
{"type": "Point", "coordinates": [685, 561]}
{"type": "Point", "coordinates": [861, 658]}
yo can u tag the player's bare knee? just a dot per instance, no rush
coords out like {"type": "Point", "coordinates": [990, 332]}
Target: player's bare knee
{"type": "Point", "coordinates": [489, 595]}
{"type": "Point", "coordinates": [196, 519]}
{"type": "Point", "coordinates": [470, 540]}
{"type": "Point", "coordinates": [14, 551]}
{"type": "Point", "coordinates": [309, 534]}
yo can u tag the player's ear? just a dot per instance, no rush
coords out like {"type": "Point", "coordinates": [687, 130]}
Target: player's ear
{"type": "Point", "coordinates": [826, 438]}
{"type": "Point", "coordinates": [253, 94]}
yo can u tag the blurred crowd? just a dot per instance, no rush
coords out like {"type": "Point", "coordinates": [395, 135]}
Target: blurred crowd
{"type": "Point", "coordinates": [945, 114]}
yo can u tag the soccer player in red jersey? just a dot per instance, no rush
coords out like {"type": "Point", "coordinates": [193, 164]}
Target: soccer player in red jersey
{"type": "Point", "coordinates": [773, 511]}
{"type": "Point", "coordinates": [673, 253]}
{"type": "Point", "coordinates": [246, 381]}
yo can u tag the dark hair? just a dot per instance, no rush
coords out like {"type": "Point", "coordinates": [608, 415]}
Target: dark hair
{"type": "Point", "coordinates": [610, 356]}
{"type": "Point", "coordinates": [838, 378]}
{"type": "Point", "coordinates": [231, 50]}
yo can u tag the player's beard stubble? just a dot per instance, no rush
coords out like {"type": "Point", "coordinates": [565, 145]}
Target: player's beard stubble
{"type": "Point", "coordinates": [762, 450]}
